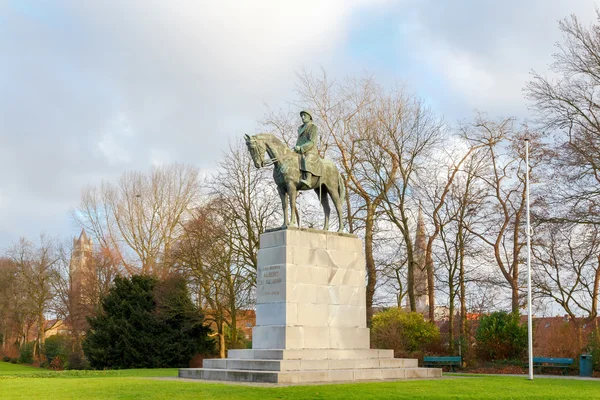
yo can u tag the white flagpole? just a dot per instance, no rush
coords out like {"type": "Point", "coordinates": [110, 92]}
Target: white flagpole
{"type": "Point", "coordinates": [529, 317]}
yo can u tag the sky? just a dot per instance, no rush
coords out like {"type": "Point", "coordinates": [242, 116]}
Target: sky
{"type": "Point", "coordinates": [91, 89]}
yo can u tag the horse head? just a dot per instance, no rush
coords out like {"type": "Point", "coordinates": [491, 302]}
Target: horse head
{"type": "Point", "coordinates": [256, 149]}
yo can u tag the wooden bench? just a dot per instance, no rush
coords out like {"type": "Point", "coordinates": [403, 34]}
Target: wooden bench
{"type": "Point", "coordinates": [451, 361]}
{"type": "Point", "coordinates": [552, 362]}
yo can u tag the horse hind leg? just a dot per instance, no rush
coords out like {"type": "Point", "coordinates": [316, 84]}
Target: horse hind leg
{"type": "Point", "coordinates": [325, 204]}
{"type": "Point", "coordinates": [337, 202]}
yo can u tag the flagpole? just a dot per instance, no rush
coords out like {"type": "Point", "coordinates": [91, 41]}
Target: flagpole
{"type": "Point", "coordinates": [529, 317]}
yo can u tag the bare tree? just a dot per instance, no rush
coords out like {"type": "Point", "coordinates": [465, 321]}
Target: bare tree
{"type": "Point", "coordinates": [436, 190]}
{"type": "Point", "coordinates": [206, 255]}
{"type": "Point", "coordinates": [394, 270]}
{"type": "Point", "coordinates": [10, 303]}
{"type": "Point", "coordinates": [412, 132]}
{"type": "Point", "coordinates": [141, 215]}
{"type": "Point", "coordinates": [504, 205]}
{"type": "Point", "coordinates": [567, 269]}
{"type": "Point", "coordinates": [35, 272]}
{"type": "Point", "coordinates": [456, 247]}
{"type": "Point", "coordinates": [568, 106]}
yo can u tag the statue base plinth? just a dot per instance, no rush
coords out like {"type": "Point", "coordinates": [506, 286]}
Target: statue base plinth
{"type": "Point", "coordinates": [310, 317]}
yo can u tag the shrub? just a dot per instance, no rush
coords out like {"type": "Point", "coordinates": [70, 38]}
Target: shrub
{"type": "Point", "coordinates": [501, 336]}
{"type": "Point", "coordinates": [57, 364]}
{"type": "Point", "coordinates": [146, 323]}
{"type": "Point", "coordinates": [26, 356]}
{"type": "Point", "coordinates": [402, 331]}
{"type": "Point", "coordinates": [13, 360]}
{"type": "Point", "coordinates": [57, 346]}
{"type": "Point", "coordinates": [6, 359]}
{"type": "Point", "coordinates": [77, 361]}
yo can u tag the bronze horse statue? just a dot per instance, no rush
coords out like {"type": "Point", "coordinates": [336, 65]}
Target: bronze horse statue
{"type": "Point", "coordinates": [286, 174]}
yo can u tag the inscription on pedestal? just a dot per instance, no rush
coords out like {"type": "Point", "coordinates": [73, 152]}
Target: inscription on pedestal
{"type": "Point", "coordinates": [271, 274]}
{"type": "Point", "coordinates": [270, 284]}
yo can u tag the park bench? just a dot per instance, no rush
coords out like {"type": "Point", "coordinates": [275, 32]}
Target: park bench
{"type": "Point", "coordinates": [552, 362]}
{"type": "Point", "coordinates": [451, 361]}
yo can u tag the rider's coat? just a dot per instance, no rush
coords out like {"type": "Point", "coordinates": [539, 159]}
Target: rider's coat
{"type": "Point", "coordinates": [307, 141]}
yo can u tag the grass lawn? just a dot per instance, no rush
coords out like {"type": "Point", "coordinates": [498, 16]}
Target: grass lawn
{"type": "Point", "coordinates": [16, 369]}
{"type": "Point", "coordinates": [138, 384]}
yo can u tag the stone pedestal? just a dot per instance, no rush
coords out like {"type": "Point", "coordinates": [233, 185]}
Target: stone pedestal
{"type": "Point", "coordinates": [310, 317]}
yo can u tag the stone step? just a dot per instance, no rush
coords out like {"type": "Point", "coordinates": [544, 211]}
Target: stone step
{"type": "Point", "coordinates": [309, 354]}
{"type": "Point", "coordinates": [340, 375]}
{"type": "Point", "coordinates": [308, 365]}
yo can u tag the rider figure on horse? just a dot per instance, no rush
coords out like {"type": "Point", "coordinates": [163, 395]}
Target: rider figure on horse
{"type": "Point", "coordinates": [306, 146]}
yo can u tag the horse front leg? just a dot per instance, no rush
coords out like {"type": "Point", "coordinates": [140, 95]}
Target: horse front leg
{"type": "Point", "coordinates": [292, 193]}
{"type": "Point", "coordinates": [283, 195]}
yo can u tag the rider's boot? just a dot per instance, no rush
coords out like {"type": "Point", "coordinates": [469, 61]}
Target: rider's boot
{"type": "Point", "coordinates": [306, 179]}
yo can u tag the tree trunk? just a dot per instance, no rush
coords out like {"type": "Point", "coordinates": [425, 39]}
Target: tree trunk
{"type": "Point", "coordinates": [411, 286]}
{"type": "Point", "coordinates": [370, 261]}
{"type": "Point", "coordinates": [234, 334]}
{"type": "Point", "coordinates": [463, 302]}
{"type": "Point", "coordinates": [430, 285]}
{"type": "Point", "coordinates": [594, 311]}
{"type": "Point", "coordinates": [221, 335]}
{"type": "Point", "coordinates": [349, 218]}
{"type": "Point", "coordinates": [515, 294]}
{"type": "Point", "coordinates": [41, 331]}
{"type": "Point", "coordinates": [410, 278]}
{"type": "Point", "coordinates": [451, 320]}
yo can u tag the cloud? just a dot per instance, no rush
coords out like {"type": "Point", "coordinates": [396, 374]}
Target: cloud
{"type": "Point", "coordinates": [91, 89]}
{"type": "Point", "coordinates": [477, 54]}
{"type": "Point", "coordinates": [113, 143]}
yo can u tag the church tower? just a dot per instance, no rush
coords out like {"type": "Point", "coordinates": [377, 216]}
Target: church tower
{"type": "Point", "coordinates": [420, 271]}
{"type": "Point", "coordinates": [80, 265]}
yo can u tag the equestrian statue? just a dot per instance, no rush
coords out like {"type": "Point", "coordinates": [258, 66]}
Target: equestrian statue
{"type": "Point", "coordinates": [300, 169]}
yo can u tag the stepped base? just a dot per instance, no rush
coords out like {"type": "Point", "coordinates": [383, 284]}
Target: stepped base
{"type": "Point", "coordinates": [309, 366]}
{"type": "Point", "coordinates": [317, 376]}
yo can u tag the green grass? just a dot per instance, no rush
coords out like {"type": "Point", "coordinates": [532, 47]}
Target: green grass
{"type": "Point", "coordinates": [139, 384]}
{"type": "Point", "coordinates": [9, 371]}
{"type": "Point", "coordinates": [16, 369]}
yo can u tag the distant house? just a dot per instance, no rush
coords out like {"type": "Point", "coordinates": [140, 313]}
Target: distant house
{"type": "Point", "coordinates": [56, 327]}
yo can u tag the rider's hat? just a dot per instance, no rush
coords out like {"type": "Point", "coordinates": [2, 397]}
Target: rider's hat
{"type": "Point", "coordinates": [307, 113]}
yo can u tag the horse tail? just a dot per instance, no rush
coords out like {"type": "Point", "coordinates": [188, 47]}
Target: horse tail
{"type": "Point", "coordinates": [341, 188]}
